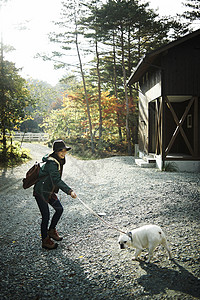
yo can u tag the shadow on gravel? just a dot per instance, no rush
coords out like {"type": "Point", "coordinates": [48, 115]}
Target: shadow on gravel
{"type": "Point", "coordinates": [158, 279]}
{"type": "Point", "coordinates": [40, 274]}
{"type": "Point", "coordinates": [7, 178]}
{"type": "Point", "coordinates": [5, 171]}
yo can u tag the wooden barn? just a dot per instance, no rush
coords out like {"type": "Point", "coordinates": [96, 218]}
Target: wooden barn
{"type": "Point", "coordinates": [169, 104]}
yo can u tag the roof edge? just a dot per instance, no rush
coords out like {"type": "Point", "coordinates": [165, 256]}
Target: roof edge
{"type": "Point", "coordinates": [159, 50]}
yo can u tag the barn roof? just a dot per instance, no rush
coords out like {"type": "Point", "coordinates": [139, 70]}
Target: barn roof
{"type": "Point", "coordinates": [148, 59]}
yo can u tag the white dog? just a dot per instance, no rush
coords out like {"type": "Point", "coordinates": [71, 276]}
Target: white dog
{"type": "Point", "coordinates": [148, 236]}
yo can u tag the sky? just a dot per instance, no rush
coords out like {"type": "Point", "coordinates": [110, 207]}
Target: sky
{"type": "Point", "coordinates": [38, 15]}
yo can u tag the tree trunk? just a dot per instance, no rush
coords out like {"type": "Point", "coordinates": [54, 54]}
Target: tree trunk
{"type": "Point", "coordinates": [128, 136]}
{"type": "Point", "coordinates": [85, 91]}
{"type": "Point", "coordinates": [2, 106]}
{"type": "Point", "coordinates": [99, 92]}
{"type": "Point", "coordinates": [115, 86]}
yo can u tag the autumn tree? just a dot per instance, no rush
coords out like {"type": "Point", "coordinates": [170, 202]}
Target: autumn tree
{"type": "Point", "coordinates": [71, 120]}
{"type": "Point", "coordinates": [128, 30]}
{"type": "Point", "coordinates": [119, 32]}
{"type": "Point", "coordinates": [93, 34]}
{"type": "Point", "coordinates": [69, 36]}
{"type": "Point", "coordinates": [118, 20]}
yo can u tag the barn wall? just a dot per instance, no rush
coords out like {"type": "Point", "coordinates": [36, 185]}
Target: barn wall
{"type": "Point", "coordinates": [150, 84]}
{"type": "Point", "coordinates": [174, 72]}
{"type": "Point", "coordinates": [143, 124]}
{"type": "Point", "coordinates": [150, 89]}
{"type": "Point", "coordinates": [181, 69]}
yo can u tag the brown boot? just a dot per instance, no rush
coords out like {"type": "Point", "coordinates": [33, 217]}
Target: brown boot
{"type": "Point", "coordinates": [53, 233]}
{"type": "Point", "coordinates": [47, 243]}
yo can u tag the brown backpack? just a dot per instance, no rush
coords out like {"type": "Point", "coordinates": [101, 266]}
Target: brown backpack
{"type": "Point", "coordinates": [32, 176]}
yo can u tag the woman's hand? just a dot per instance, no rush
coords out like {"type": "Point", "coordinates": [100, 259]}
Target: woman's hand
{"type": "Point", "coordinates": [73, 194]}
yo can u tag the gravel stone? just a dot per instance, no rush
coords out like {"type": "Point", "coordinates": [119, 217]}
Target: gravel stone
{"type": "Point", "coordinates": [88, 263]}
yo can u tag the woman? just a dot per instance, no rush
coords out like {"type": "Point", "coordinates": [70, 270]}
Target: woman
{"type": "Point", "coordinates": [45, 192]}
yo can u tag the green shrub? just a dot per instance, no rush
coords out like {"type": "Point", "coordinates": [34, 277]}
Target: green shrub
{"type": "Point", "coordinates": [15, 155]}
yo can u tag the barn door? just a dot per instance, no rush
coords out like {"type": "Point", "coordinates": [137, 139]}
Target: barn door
{"type": "Point", "coordinates": [155, 121]}
{"type": "Point", "coordinates": [181, 127]}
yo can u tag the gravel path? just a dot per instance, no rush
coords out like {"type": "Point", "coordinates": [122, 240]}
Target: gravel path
{"type": "Point", "coordinates": [96, 268]}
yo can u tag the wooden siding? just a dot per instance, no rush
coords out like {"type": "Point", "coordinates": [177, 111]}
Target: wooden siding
{"type": "Point", "coordinates": [150, 84]}
{"type": "Point", "coordinates": [178, 75]}
{"type": "Point", "coordinates": [181, 69]}
{"type": "Point", "coordinates": [155, 126]}
{"type": "Point", "coordinates": [143, 124]}
{"type": "Point", "coordinates": [150, 88]}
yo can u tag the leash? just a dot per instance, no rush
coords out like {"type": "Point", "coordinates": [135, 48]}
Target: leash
{"type": "Point", "coordinates": [100, 218]}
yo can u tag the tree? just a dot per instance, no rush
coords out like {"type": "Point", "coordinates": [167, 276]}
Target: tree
{"type": "Point", "coordinates": [120, 32]}
{"type": "Point", "coordinates": [70, 19]}
{"type": "Point", "coordinates": [193, 9]}
{"type": "Point", "coordinates": [93, 33]}
{"type": "Point", "coordinates": [45, 98]}
{"type": "Point", "coordinates": [14, 98]}
{"type": "Point", "coordinates": [71, 120]}
{"type": "Point", "coordinates": [117, 22]}
{"type": "Point", "coordinates": [129, 30]}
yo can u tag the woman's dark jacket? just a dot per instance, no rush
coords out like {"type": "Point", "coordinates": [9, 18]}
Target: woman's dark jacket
{"type": "Point", "coordinates": [50, 182]}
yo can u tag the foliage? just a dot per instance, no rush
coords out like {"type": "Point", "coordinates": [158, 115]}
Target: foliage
{"type": "Point", "coordinates": [71, 122]}
{"type": "Point", "coordinates": [45, 99]}
{"type": "Point", "coordinates": [45, 96]}
{"type": "Point", "coordinates": [118, 33]}
{"type": "Point", "coordinates": [69, 36]}
{"type": "Point", "coordinates": [100, 107]}
{"type": "Point", "coordinates": [193, 10]}
{"type": "Point", "coordinates": [14, 96]}
{"type": "Point", "coordinates": [81, 148]}
{"type": "Point", "coordinates": [15, 154]}
{"type": "Point", "coordinates": [29, 125]}
{"type": "Point", "coordinates": [14, 99]}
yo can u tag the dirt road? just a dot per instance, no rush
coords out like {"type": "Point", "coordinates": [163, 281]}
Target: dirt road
{"type": "Point", "coordinates": [96, 268]}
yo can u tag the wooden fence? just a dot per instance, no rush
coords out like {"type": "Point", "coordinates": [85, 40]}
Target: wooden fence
{"type": "Point", "coordinates": [30, 136]}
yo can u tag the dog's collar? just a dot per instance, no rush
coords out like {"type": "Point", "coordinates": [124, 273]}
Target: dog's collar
{"type": "Point", "coordinates": [130, 235]}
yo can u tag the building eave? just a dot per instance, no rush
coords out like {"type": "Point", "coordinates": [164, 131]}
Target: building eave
{"type": "Point", "coordinates": [148, 59]}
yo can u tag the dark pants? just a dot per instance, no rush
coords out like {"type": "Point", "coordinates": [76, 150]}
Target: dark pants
{"type": "Point", "coordinates": [44, 209]}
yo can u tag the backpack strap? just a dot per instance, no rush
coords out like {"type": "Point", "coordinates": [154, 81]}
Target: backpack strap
{"type": "Point", "coordinates": [53, 159]}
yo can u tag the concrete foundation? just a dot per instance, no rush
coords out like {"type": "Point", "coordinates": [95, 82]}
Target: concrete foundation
{"type": "Point", "coordinates": [191, 166]}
